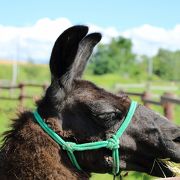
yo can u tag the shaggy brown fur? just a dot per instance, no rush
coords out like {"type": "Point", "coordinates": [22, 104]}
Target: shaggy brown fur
{"type": "Point", "coordinates": [29, 153]}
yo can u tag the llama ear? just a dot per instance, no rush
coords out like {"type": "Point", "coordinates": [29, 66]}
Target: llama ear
{"type": "Point", "coordinates": [64, 52]}
{"type": "Point", "coordinates": [84, 51]}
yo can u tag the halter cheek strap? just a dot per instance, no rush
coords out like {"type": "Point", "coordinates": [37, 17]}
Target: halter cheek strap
{"type": "Point", "coordinates": [111, 143]}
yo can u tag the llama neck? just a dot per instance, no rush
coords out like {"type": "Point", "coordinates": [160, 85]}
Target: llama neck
{"type": "Point", "coordinates": [64, 163]}
{"type": "Point", "coordinates": [30, 152]}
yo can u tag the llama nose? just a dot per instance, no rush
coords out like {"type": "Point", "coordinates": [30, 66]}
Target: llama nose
{"type": "Point", "coordinates": [177, 140]}
{"type": "Point", "coordinates": [176, 135]}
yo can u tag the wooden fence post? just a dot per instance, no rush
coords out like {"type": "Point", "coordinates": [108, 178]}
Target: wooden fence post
{"type": "Point", "coordinates": [44, 86]}
{"type": "Point", "coordinates": [168, 106]}
{"type": "Point", "coordinates": [146, 96]}
{"type": "Point", "coordinates": [21, 95]}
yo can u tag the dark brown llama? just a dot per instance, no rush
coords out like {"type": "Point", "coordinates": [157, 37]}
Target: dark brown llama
{"type": "Point", "coordinates": [81, 112]}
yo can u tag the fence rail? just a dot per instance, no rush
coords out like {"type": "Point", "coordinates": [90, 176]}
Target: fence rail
{"type": "Point", "coordinates": [22, 96]}
{"type": "Point", "coordinates": [166, 101]}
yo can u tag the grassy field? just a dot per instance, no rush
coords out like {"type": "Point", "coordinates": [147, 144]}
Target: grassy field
{"type": "Point", "coordinates": [39, 74]}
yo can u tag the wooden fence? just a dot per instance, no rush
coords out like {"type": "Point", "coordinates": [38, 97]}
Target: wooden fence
{"type": "Point", "coordinates": [167, 100]}
{"type": "Point", "coordinates": [22, 95]}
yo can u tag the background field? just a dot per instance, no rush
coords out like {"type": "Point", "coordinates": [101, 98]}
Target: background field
{"type": "Point", "coordinates": [114, 82]}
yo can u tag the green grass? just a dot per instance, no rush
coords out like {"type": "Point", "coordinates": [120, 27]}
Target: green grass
{"type": "Point", "coordinates": [130, 176]}
{"type": "Point", "coordinates": [26, 73]}
{"type": "Point", "coordinates": [107, 81]}
{"type": "Point", "coordinates": [40, 74]}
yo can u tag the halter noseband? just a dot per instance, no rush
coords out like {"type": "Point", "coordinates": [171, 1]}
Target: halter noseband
{"type": "Point", "coordinates": [111, 143]}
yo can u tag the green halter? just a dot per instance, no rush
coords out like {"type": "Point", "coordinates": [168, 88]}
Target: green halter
{"type": "Point", "coordinates": [112, 143]}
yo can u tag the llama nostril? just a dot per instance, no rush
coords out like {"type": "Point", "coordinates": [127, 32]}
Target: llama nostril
{"type": "Point", "coordinates": [177, 140]}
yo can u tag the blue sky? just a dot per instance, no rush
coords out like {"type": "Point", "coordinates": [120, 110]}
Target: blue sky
{"type": "Point", "coordinates": [28, 29]}
{"type": "Point", "coordinates": [120, 14]}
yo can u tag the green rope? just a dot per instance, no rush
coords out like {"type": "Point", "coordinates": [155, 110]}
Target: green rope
{"type": "Point", "coordinates": [111, 143]}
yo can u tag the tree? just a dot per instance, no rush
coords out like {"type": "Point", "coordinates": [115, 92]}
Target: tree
{"type": "Point", "coordinates": [166, 64]}
{"type": "Point", "coordinates": [116, 56]}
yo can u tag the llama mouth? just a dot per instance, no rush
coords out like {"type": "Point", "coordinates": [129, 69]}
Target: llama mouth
{"type": "Point", "coordinates": [109, 160]}
{"type": "Point", "coordinates": [161, 168]}
{"type": "Point", "coordinates": [153, 167]}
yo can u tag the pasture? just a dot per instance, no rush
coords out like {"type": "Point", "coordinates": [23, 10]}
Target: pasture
{"type": "Point", "coordinates": [39, 74]}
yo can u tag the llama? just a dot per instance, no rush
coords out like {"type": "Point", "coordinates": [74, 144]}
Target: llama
{"type": "Point", "coordinates": [80, 112]}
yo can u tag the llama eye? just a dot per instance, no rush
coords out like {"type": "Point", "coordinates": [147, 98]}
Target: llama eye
{"type": "Point", "coordinates": [118, 114]}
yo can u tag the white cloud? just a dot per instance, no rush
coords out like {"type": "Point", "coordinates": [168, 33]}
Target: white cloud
{"type": "Point", "coordinates": [108, 33]}
{"type": "Point", "coordinates": [31, 42]}
{"type": "Point", "coordinates": [36, 41]}
{"type": "Point", "coordinates": [148, 39]}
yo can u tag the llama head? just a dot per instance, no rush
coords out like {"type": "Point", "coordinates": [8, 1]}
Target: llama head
{"type": "Point", "coordinates": [92, 114]}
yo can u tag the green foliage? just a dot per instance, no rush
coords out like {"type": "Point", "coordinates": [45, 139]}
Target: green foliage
{"type": "Point", "coordinates": [116, 56]}
{"type": "Point", "coordinates": [166, 64]}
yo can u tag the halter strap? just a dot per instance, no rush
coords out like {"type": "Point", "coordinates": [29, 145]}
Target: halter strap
{"type": "Point", "coordinates": [111, 143]}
